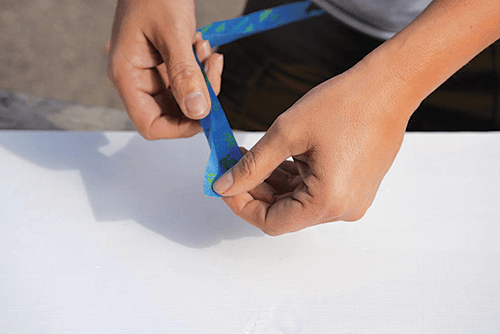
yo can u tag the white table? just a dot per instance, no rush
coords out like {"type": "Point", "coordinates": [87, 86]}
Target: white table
{"type": "Point", "coordinates": [109, 233]}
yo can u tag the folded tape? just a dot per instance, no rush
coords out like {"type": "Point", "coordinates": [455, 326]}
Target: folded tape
{"type": "Point", "coordinates": [224, 151]}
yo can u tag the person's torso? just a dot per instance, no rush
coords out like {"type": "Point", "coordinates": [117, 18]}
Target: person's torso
{"type": "Point", "coordinates": [378, 18]}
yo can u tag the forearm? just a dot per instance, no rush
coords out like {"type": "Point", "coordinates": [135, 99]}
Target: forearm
{"type": "Point", "coordinates": [447, 35]}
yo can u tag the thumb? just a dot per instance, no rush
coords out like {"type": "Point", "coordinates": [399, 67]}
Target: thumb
{"type": "Point", "coordinates": [255, 166]}
{"type": "Point", "coordinates": [185, 78]}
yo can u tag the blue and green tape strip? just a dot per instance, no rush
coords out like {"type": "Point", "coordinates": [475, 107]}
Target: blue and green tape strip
{"type": "Point", "coordinates": [224, 151]}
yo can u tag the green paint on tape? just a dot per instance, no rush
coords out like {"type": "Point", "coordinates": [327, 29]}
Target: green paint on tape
{"type": "Point", "coordinates": [210, 179]}
{"type": "Point", "coordinates": [221, 28]}
{"type": "Point", "coordinates": [227, 162]}
{"type": "Point", "coordinates": [205, 28]}
{"type": "Point", "coordinates": [229, 138]}
{"type": "Point", "coordinates": [244, 21]}
{"type": "Point", "coordinates": [264, 14]}
{"type": "Point", "coordinates": [249, 28]}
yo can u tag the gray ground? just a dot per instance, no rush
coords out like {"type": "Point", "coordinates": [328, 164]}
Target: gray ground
{"type": "Point", "coordinates": [52, 65]}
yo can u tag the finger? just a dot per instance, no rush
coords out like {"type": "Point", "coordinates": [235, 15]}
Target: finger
{"type": "Point", "coordinates": [289, 214]}
{"type": "Point", "coordinates": [213, 70]}
{"type": "Point", "coordinates": [147, 112]}
{"type": "Point", "coordinates": [198, 36]}
{"type": "Point", "coordinates": [203, 50]}
{"type": "Point", "coordinates": [282, 181]}
{"type": "Point", "coordinates": [213, 61]}
{"type": "Point", "coordinates": [130, 51]}
{"type": "Point", "coordinates": [145, 77]}
{"type": "Point", "coordinates": [255, 166]}
{"type": "Point", "coordinates": [238, 203]}
{"type": "Point", "coordinates": [264, 192]}
{"type": "Point", "coordinates": [179, 126]}
{"type": "Point", "coordinates": [290, 167]}
{"type": "Point", "coordinates": [150, 81]}
{"type": "Point", "coordinates": [184, 75]}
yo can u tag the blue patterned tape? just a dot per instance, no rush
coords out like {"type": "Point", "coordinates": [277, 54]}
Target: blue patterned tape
{"type": "Point", "coordinates": [223, 32]}
{"type": "Point", "coordinates": [224, 151]}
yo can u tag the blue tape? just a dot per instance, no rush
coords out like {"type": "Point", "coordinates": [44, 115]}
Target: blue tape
{"type": "Point", "coordinates": [223, 32]}
{"type": "Point", "coordinates": [224, 151]}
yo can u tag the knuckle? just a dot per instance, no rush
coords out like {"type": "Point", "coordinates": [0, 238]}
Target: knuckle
{"type": "Point", "coordinates": [355, 216]}
{"type": "Point", "coordinates": [336, 205]}
{"type": "Point", "coordinates": [336, 210]}
{"type": "Point", "coordinates": [343, 206]}
{"type": "Point", "coordinates": [288, 183]}
{"type": "Point", "coordinates": [181, 74]}
{"type": "Point", "coordinates": [144, 129]}
{"type": "Point", "coordinates": [274, 228]}
{"type": "Point", "coordinates": [247, 165]}
{"type": "Point", "coordinates": [116, 74]}
{"type": "Point", "coordinates": [281, 128]}
{"type": "Point", "coordinates": [271, 231]}
{"type": "Point", "coordinates": [145, 133]}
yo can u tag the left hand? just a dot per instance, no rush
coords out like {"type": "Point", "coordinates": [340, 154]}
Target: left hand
{"type": "Point", "coordinates": [343, 136]}
{"type": "Point", "coordinates": [152, 67]}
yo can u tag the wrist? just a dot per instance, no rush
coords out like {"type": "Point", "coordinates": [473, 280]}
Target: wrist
{"type": "Point", "coordinates": [393, 80]}
{"type": "Point", "coordinates": [437, 44]}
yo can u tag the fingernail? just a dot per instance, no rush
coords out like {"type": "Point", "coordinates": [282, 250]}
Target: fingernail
{"type": "Point", "coordinates": [206, 49]}
{"type": "Point", "coordinates": [220, 63]}
{"type": "Point", "coordinates": [224, 182]}
{"type": "Point", "coordinates": [196, 104]}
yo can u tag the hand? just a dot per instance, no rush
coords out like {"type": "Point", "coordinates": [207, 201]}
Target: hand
{"type": "Point", "coordinates": [343, 136]}
{"type": "Point", "coordinates": [153, 68]}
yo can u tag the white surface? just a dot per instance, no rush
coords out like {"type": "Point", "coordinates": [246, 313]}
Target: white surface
{"type": "Point", "coordinates": [109, 233]}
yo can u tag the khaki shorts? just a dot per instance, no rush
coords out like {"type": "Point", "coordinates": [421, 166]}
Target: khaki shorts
{"type": "Point", "coordinates": [266, 73]}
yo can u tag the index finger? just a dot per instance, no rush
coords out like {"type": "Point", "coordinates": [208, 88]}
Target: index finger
{"type": "Point", "coordinates": [146, 110]}
{"type": "Point", "coordinates": [288, 214]}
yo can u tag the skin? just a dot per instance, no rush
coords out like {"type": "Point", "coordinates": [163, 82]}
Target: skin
{"type": "Point", "coordinates": [343, 135]}
{"type": "Point", "coordinates": [152, 66]}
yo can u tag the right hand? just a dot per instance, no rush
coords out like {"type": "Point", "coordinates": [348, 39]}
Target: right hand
{"type": "Point", "coordinates": [153, 68]}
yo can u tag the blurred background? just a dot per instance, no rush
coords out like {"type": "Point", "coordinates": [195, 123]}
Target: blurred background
{"type": "Point", "coordinates": [53, 71]}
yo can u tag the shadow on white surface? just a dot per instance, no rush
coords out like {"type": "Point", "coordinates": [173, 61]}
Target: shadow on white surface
{"type": "Point", "coordinates": [156, 184]}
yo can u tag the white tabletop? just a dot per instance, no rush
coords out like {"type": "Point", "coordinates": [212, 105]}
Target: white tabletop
{"type": "Point", "coordinates": [109, 233]}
